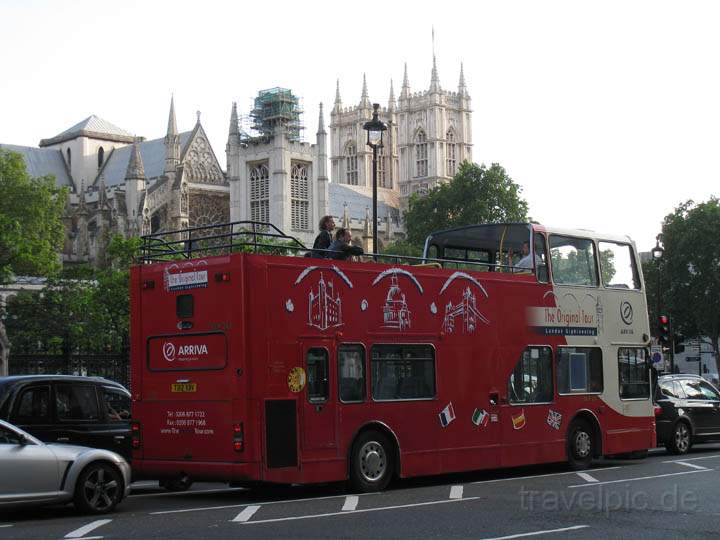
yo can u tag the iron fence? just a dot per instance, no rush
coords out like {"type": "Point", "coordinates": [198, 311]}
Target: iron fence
{"type": "Point", "coordinates": [115, 367]}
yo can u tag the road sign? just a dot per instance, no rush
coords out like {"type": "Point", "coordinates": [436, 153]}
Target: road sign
{"type": "Point", "coordinates": [656, 355]}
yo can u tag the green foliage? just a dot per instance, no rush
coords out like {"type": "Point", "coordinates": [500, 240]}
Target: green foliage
{"type": "Point", "coordinates": [475, 195]}
{"type": "Point", "coordinates": [31, 228]}
{"type": "Point", "coordinates": [689, 272]}
{"type": "Point", "coordinates": [403, 249]}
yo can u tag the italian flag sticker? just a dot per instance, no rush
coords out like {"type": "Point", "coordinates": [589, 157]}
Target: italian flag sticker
{"type": "Point", "coordinates": [447, 415]}
{"type": "Point", "coordinates": [480, 417]}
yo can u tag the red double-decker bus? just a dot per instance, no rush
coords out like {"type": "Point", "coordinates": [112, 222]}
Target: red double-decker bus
{"type": "Point", "coordinates": [506, 345]}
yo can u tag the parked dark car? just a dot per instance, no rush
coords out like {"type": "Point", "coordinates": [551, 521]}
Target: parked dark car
{"type": "Point", "coordinates": [687, 411]}
{"type": "Point", "coordinates": [86, 411]}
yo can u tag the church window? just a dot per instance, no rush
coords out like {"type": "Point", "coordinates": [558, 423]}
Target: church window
{"type": "Point", "coordinates": [381, 173]}
{"type": "Point", "coordinates": [451, 154]}
{"type": "Point", "coordinates": [260, 193]}
{"type": "Point", "coordinates": [69, 158]}
{"type": "Point", "coordinates": [300, 197]}
{"type": "Point", "coordinates": [101, 156]}
{"type": "Point", "coordinates": [351, 164]}
{"type": "Point", "coordinates": [421, 154]}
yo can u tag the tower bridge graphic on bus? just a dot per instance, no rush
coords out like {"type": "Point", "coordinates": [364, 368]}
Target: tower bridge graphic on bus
{"type": "Point", "coordinates": [324, 306]}
{"type": "Point", "coordinates": [467, 309]}
{"type": "Point", "coordinates": [396, 313]}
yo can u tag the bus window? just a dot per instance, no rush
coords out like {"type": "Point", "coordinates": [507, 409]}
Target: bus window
{"type": "Point", "coordinates": [633, 373]}
{"type": "Point", "coordinates": [351, 373]}
{"type": "Point", "coordinates": [531, 380]}
{"type": "Point", "coordinates": [317, 376]}
{"type": "Point", "coordinates": [184, 306]}
{"type": "Point", "coordinates": [403, 372]}
{"type": "Point", "coordinates": [573, 261]}
{"type": "Point", "coordinates": [579, 370]}
{"type": "Point", "coordinates": [617, 266]}
{"type": "Point", "coordinates": [540, 258]}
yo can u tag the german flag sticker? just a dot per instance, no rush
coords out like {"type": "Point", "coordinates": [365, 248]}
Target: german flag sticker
{"type": "Point", "coordinates": [518, 420]}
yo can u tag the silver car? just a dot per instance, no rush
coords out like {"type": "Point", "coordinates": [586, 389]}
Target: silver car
{"type": "Point", "coordinates": [32, 472]}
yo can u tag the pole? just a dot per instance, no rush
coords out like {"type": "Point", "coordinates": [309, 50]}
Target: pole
{"type": "Point", "coordinates": [374, 210]}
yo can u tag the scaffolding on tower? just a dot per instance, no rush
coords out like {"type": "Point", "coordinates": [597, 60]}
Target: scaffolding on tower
{"type": "Point", "coordinates": [274, 107]}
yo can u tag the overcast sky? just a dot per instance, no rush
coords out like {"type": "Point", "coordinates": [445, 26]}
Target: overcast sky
{"type": "Point", "coordinates": [606, 113]}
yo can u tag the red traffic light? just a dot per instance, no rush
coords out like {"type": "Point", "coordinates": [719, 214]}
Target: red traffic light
{"type": "Point", "coordinates": [664, 319]}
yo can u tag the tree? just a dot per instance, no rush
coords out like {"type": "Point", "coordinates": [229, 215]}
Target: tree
{"type": "Point", "coordinates": [691, 270]}
{"type": "Point", "coordinates": [31, 228]}
{"type": "Point", "coordinates": [475, 195]}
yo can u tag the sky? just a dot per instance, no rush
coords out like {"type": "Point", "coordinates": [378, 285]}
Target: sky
{"type": "Point", "coordinates": [606, 113]}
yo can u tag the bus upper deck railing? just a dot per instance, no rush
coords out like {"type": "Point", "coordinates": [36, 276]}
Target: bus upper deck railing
{"type": "Point", "coordinates": [262, 237]}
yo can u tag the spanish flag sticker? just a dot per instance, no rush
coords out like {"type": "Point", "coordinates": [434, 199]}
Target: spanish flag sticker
{"type": "Point", "coordinates": [518, 420]}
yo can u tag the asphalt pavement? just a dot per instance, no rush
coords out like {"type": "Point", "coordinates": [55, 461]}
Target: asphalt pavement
{"type": "Point", "coordinates": [663, 496]}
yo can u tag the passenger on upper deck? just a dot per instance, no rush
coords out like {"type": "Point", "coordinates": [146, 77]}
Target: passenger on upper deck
{"type": "Point", "coordinates": [341, 247]}
{"type": "Point", "coordinates": [324, 238]}
{"type": "Point", "coordinates": [527, 259]}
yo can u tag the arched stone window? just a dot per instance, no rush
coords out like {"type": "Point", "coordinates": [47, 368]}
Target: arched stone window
{"type": "Point", "coordinates": [299, 197]}
{"type": "Point", "coordinates": [381, 170]}
{"type": "Point", "coordinates": [421, 154]}
{"type": "Point", "coordinates": [69, 158]}
{"type": "Point", "coordinates": [351, 164]}
{"type": "Point", "coordinates": [451, 165]}
{"type": "Point", "coordinates": [260, 193]}
{"type": "Point", "coordinates": [101, 157]}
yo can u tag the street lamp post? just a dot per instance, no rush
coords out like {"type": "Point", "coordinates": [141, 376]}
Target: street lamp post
{"type": "Point", "coordinates": [375, 129]}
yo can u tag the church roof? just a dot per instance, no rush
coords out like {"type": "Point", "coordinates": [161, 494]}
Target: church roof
{"type": "Point", "coordinates": [358, 200]}
{"type": "Point", "coordinates": [153, 159]}
{"type": "Point", "coordinates": [93, 127]}
{"type": "Point", "coordinates": [42, 161]}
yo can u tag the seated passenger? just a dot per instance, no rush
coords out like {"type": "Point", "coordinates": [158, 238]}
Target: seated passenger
{"type": "Point", "coordinates": [526, 262]}
{"type": "Point", "coordinates": [341, 247]}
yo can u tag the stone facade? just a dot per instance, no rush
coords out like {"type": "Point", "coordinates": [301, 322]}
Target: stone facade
{"type": "Point", "coordinates": [429, 134]}
{"type": "Point", "coordinates": [120, 184]}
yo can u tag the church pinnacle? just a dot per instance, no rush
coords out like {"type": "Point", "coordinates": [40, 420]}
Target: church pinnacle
{"type": "Point", "coordinates": [434, 79]}
{"type": "Point", "coordinates": [172, 141]}
{"type": "Point", "coordinates": [135, 170]}
{"type": "Point", "coordinates": [405, 90]}
{"type": "Point", "coordinates": [462, 88]}
{"type": "Point", "coordinates": [391, 99]}
{"type": "Point", "coordinates": [364, 99]}
{"type": "Point", "coordinates": [234, 129]}
{"type": "Point", "coordinates": [321, 121]}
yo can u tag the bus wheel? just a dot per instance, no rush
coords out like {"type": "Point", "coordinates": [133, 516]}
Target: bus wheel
{"type": "Point", "coordinates": [679, 442]}
{"type": "Point", "coordinates": [371, 462]}
{"type": "Point", "coordinates": [580, 445]}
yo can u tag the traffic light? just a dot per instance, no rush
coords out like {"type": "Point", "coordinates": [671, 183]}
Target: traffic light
{"type": "Point", "coordinates": [664, 330]}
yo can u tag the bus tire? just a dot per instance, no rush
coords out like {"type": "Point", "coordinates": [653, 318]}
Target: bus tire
{"type": "Point", "coordinates": [371, 462]}
{"type": "Point", "coordinates": [580, 445]}
{"type": "Point", "coordinates": [680, 439]}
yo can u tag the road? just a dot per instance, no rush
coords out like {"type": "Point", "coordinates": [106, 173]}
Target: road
{"type": "Point", "coordinates": [663, 496]}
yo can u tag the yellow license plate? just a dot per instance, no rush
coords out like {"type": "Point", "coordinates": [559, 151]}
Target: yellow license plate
{"type": "Point", "coordinates": [183, 387]}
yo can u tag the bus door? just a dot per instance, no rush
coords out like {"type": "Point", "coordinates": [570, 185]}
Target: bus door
{"type": "Point", "coordinates": [530, 420]}
{"type": "Point", "coordinates": [318, 400]}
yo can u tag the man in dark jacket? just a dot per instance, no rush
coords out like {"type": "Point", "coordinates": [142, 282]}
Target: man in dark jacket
{"type": "Point", "coordinates": [341, 247]}
{"type": "Point", "coordinates": [324, 238]}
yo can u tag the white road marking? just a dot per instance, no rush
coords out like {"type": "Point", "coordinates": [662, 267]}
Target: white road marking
{"type": "Point", "coordinates": [362, 511]}
{"type": "Point", "coordinates": [541, 475]}
{"type": "Point", "coordinates": [692, 458]}
{"type": "Point", "coordinates": [351, 502]}
{"type": "Point", "coordinates": [204, 508]}
{"type": "Point", "coordinates": [456, 492]}
{"type": "Point", "coordinates": [188, 493]}
{"type": "Point", "coordinates": [246, 514]}
{"type": "Point", "coordinates": [634, 479]}
{"type": "Point", "coordinates": [536, 533]}
{"type": "Point", "coordinates": [587, 477]}
{"type": "Point", "coordinates": [692, 465]}
{"type": "Point", "coordinates": [82, 531]}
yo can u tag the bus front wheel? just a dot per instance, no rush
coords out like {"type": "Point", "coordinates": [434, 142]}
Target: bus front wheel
{"type": "Point", "coordinates": [581, 441]}
{"type": "Point", "coordinates": [371, 462]}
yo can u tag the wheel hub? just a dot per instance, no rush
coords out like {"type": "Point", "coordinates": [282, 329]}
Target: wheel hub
{"type": "Point", "coordinates": [582, 444]}
{"type": "Point", "coordinates": [373, 462]}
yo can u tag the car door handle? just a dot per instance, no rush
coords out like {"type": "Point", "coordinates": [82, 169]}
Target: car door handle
{"type": "Point", "coordinates": [119, 437]}
{"type": "Point", "coordinates": [63, 439]}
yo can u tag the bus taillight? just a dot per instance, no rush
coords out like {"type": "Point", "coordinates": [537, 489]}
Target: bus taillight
{"type": "Point", "coordinates": [658, 410]}
{"type": "Point", "coordinates": [135, 434]}
{"type": "Point", "coordinates": [238, 437]}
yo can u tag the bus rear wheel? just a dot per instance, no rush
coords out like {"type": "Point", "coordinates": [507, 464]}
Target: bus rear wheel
{"type": "Point", "coordinates": [581, 445]}
{"type": "Point", "coordinates": [371, 462]}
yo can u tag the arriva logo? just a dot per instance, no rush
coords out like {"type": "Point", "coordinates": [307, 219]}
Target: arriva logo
{"type": "Point", "coordinates": [169, 351]}
{"type": "Point", "coordinates": [193, 350]}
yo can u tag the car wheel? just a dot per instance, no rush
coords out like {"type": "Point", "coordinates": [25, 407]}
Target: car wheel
{"type": "Point", "coordinates": [371, 462]}
{"type": "Point", "coordinates": [581, 445]}
{"type": "Point", "coordinates": [178, 483]}
{"type": "Point", "coordinates": [679, 442]}
{"type": "Point", "coordinates": [99, 488]}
